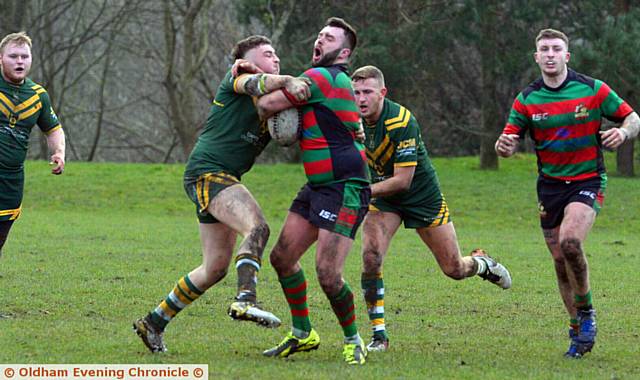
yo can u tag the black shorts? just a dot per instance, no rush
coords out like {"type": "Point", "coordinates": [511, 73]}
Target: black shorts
{"type": "Point", "coordinates": [555, 195]}
{"type": "Point", "coordinates": [338, 207]}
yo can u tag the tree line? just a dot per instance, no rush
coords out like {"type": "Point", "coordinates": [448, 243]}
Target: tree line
{"type": "Point", "coordinates": [133, 80]}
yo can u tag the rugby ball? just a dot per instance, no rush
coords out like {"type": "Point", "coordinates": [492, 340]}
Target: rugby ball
{"type": "Point", "coordinates": [285, 126]}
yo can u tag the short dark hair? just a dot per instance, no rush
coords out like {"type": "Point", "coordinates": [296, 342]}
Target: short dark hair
{"type": "Point", "coordinates": [552, 33]}
{"type": "Point", "coordinates": [349, 31]}
{"type": "Point", "coordinates": [243, 46]}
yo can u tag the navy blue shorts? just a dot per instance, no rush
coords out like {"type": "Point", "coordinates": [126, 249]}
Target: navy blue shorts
{"type": "Point", "coordinates": [554, 196]}
{"type": "Point", "coordinates": [338, 207]}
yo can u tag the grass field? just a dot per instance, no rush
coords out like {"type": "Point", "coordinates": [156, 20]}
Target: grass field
{"type": "Point", "coordinates": [104, 243]}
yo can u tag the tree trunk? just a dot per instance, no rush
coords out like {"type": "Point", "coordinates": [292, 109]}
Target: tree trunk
{"type": "Point", "coordinates": [489, 103]}
{"type": "Point", "coordinates": [624, 159]}
{"type": "Point", "coordinates": [624, 154]}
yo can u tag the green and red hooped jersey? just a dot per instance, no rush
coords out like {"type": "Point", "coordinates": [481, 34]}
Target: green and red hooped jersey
{"type": "Point", "coordinates": [330, 118]}
{"type": "Point", "coordinates": [21, 108]}
{"type": "Point", "coordinates": [564, 123]}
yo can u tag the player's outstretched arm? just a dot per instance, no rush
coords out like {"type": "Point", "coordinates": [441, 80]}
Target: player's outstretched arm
{"type": "Point", "coordinates": [261, 84]}
{"type": "Point", "coordinates": [507, 144]}
{"type": "Point", "coordinates": [614, 137]}
{"type": "Point", "coordinates": [55, 141]}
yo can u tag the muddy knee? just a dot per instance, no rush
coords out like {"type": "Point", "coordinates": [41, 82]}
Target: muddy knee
{"type": "Point", "coordinates": [330, 282]}
{"type": "Point", "coordinates": [571, 249]}
{"type": "Point", "coordinates": [372, 261]}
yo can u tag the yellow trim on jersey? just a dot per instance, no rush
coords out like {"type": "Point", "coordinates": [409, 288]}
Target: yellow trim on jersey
{"type": "Point", "coordinates": [397, 118]}
{"type": "Point", "coordinates": [236, 82]}
{"type": "Point", "coordinates": [5, 111]}
{"type": "Point", "coordinates": [379, 158]}
{"type": "Point", "coordinates": [26, 103]}
{"type": "Point", "coordinates": [38, 89]}
{"type": "Point", "coordinates": [217, 103]}
{"type": "Point", "coordinates": [31, 111]}
{"type": "Point", "coordinates": [402, 164]}
{"type": "Point", "coordinates": [398, 124]}
{"type": "Point", "coordinates": [14, 109]}
{"type": "Point", "coordinates": [6, 101]}
{"type": "Point", "coordinates": [50, 131]}
{"type": "Point", "coordinates": [373, 208]}
{"type": "Point", "coordinates": [15, 213]}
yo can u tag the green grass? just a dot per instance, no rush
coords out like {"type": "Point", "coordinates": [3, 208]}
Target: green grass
{"type": "Point", "coordinates": [104, 243]}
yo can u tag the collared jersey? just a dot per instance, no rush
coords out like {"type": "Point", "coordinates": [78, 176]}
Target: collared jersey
{"type": "Point", "coordinates": [564, 123]}
{"type": "Point", "coordinates": [233, 136]}
{"type": "Point", "coordinates": [330, 153]}
{"type": "Point", "coordinates": [21, 108]}
{"type": "Point", "coordinates": [395, 141]}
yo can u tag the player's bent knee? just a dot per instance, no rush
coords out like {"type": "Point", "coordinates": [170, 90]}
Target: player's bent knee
{"type": "Point", "coordinates": [571, 248]}
{"type": "Point", "coordinates": [330, 282]}
{"type": "Point", "coordinates": [372, 261]}
{"type": "Point", "coordinates": [454, 272]}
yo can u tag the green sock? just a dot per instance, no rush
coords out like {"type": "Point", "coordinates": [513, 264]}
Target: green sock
{"type": "Point", "coordinates": [583, 302]}
{"type": "Point", "coordinates": [344, 309]}
{"type": "Point", "coordinates": [295, 289]}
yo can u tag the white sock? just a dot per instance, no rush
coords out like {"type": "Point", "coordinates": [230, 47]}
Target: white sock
{"type": "Point", "coordinates": [482, 265]}
{"type": "Point", "coordinates": [353, 339]}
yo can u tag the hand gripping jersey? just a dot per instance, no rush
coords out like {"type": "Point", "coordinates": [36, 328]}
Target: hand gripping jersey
{"type": "Point", "coordinates": [233, 136]}
{"type": "Point", "coordinates": [21, 108]}
{"type": "Point", "coordinates": [396, 140]}
{"type": "Point", "coordinates": [564, 123]}
{"type": "Point", "coordinates": [330, 118]}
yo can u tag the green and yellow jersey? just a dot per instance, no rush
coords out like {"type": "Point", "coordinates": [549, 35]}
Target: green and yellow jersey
{"type": "Point", "coordinates": [233, 136]}
{"type": "Point", "coordinates": [21, 108]}
{"type": "Point", "coordinates": [395, 140]}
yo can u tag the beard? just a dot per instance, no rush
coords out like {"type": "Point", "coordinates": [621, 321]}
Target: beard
{"type": "Point", "coordinates": [328, 58]}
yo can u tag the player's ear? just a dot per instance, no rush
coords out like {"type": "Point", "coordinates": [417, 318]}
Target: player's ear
{"type": "Point", "coordinates": [383, 91]}
{"type": "Point", "coordinates": [344, 53]}
{"type": "Point", "coordinates": [568, 56]}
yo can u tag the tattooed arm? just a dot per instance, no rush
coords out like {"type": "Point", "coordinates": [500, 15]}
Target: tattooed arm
{"type": "Point", "coordinates": [629, 129]}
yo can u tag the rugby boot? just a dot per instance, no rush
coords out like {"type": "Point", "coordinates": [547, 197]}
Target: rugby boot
{"type": "Point", "coordinates": [572, 352]}
{"type": "Point", "coordinates": [378, 343]}
{"type": "Point", "coordinates": [354, 353]}
{"type": "Point", "coordinates": [150, 334]}
{"type": "Point", "coordinates": [495, 273]}
{"type": "Point", "coordinates": [243, 310]}
{"type": "Point", "coordinates": [292, 344]}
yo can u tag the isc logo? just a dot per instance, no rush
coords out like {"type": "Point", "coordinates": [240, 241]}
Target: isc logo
{"type": "Point", "coordinates": [324, 214]}
{"type": "Point", "coordinates": [540, 116]}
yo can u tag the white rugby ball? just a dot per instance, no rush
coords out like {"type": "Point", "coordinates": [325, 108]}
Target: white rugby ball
{"type": "Point", "coordinates": [285, 126]}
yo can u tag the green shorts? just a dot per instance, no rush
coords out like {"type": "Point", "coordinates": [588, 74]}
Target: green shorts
{"type": "Point", "coordinates": [11, 191]}
{"type": "Point", "coordinates": [430, 213]}
{"type": "Point", "coordinates": [202, 189]}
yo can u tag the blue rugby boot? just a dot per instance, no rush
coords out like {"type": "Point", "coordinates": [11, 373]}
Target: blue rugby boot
{"type": "Point", "coordinates": [587, 334]}
{"type": "Point", "coordinates": [572, 352]}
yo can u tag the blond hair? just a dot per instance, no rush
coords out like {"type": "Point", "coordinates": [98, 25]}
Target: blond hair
{"type": "Point", "coordinates": [368, 72]}
{"type": "Point", "coordinates": [20, 38]}
{"type": "Point", "coordinates": [552, 33]}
